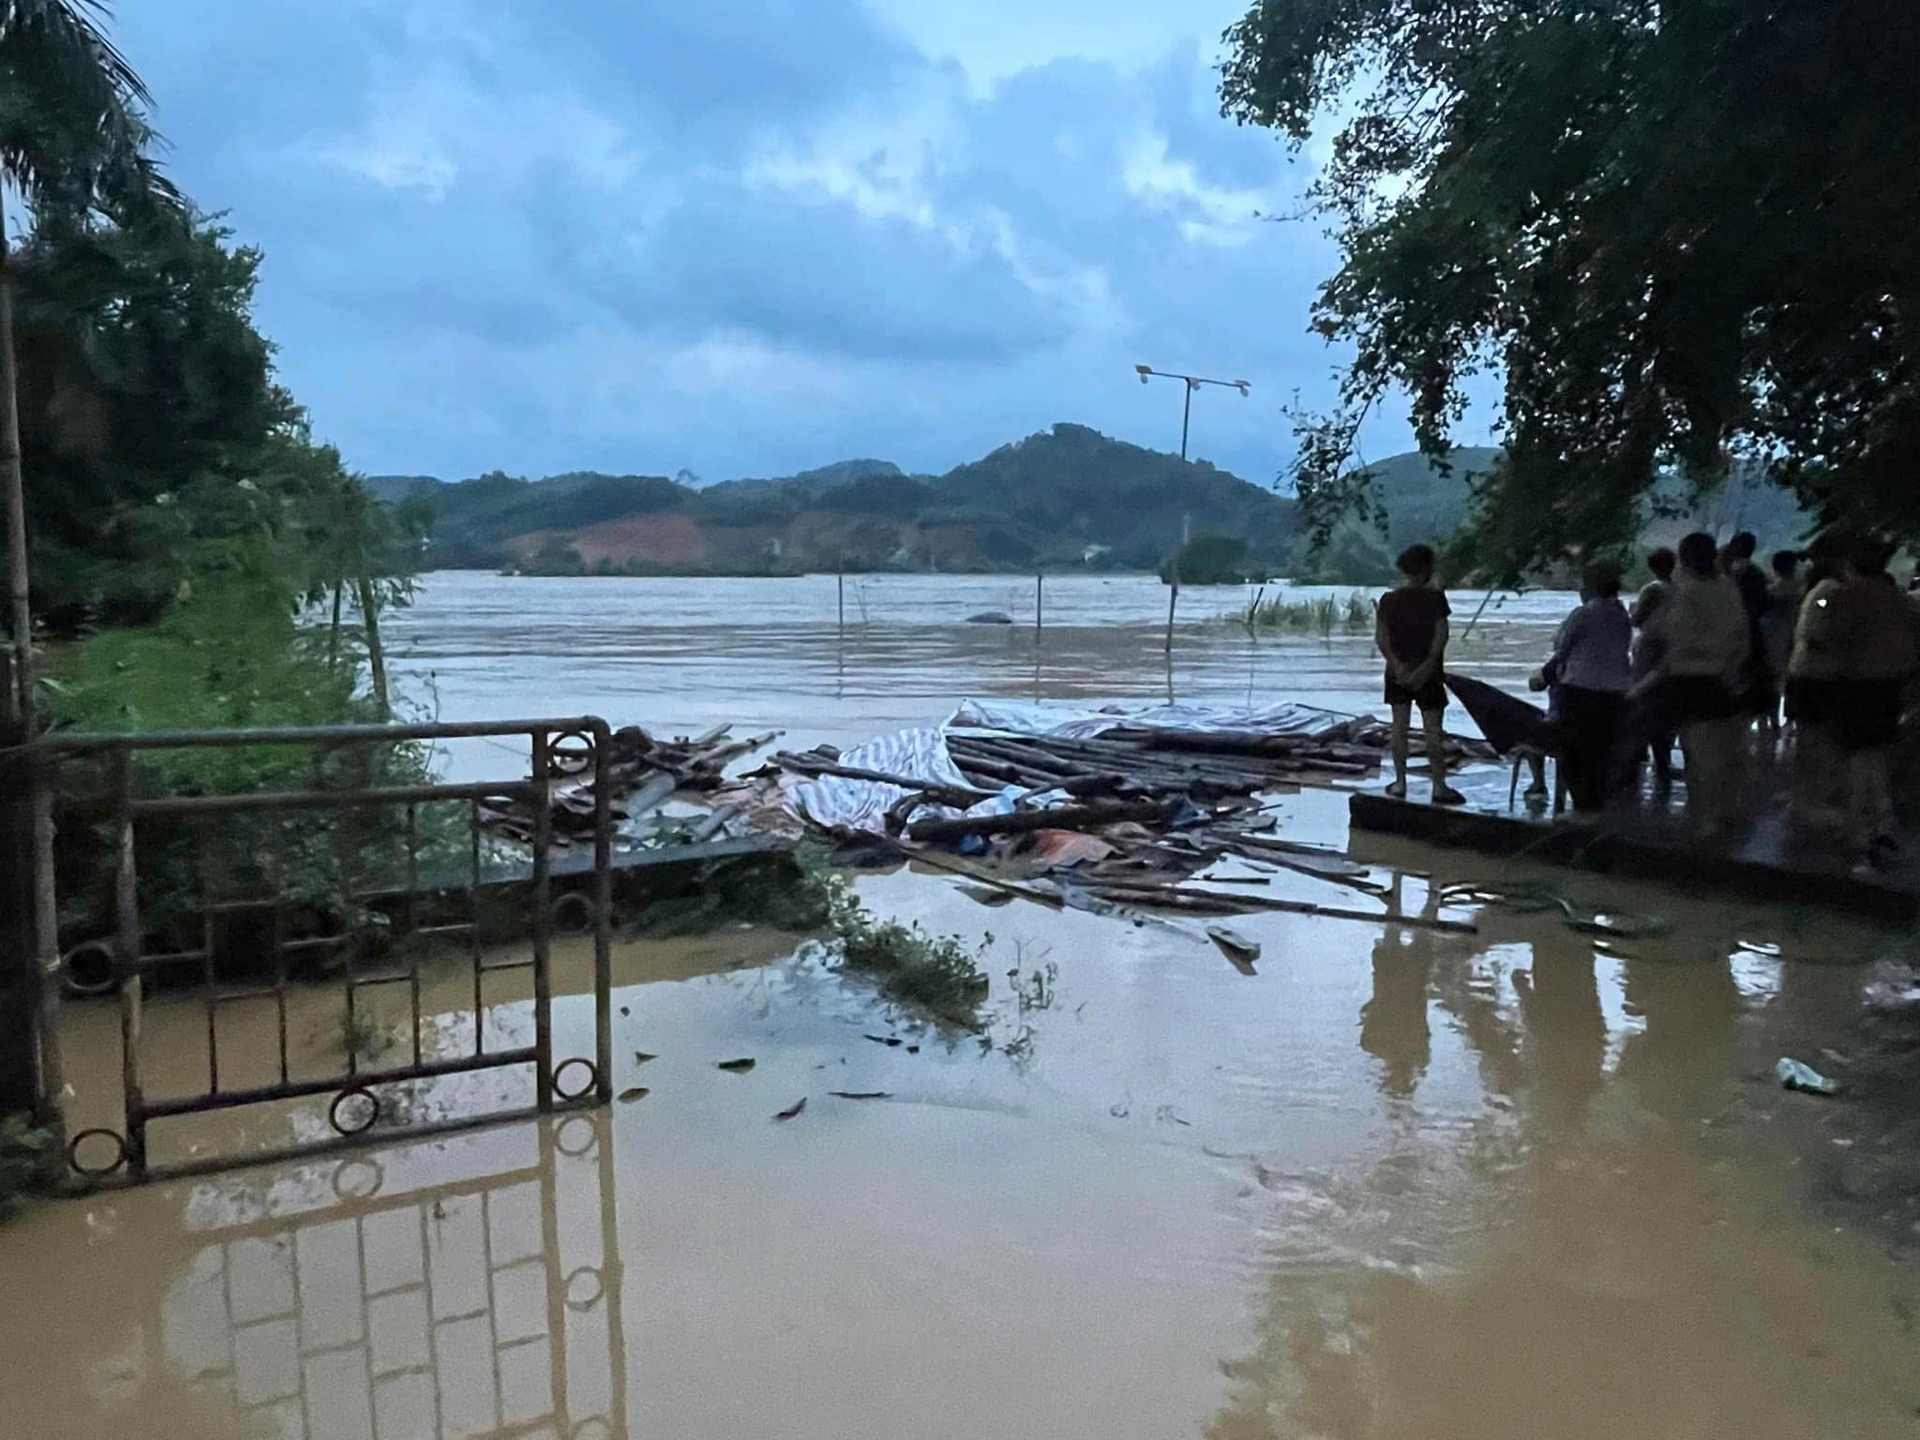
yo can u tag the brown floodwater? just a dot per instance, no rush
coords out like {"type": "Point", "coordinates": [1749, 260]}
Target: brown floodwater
{"type": "Point", "coordinates": [682, 655]}
{"type": "Point", "coordinates": [1522, 1183]}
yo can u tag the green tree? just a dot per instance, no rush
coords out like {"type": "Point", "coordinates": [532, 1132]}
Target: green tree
{"type": "Point", "coordinates": [73, 140]}
{"type": "Point", "coordinates": [1681, 234]}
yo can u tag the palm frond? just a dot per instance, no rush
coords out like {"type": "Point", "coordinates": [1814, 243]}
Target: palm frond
{"type": "Point", "coordinates": [71, 25]}
{"type": "Point", "coordinates": [73, 129]}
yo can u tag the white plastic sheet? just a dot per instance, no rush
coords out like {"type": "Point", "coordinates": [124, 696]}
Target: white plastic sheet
{"type": "Point", "coordinates": [1307, 722]}
{"type": "Point", "coordinates": [837, 803]}
{"type": "Point", "coordinates": [861, 806]}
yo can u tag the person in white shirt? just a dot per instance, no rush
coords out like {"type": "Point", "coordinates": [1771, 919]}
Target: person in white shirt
{"type": "Point", "coordinates": [1705, 638]}
{"type": "Point", "coordinates": [1589, 665]}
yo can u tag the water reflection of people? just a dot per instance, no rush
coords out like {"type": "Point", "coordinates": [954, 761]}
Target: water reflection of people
{"type": "Point", "coordinates": [1688, 1045]}
{"type": "Point", "coordinates": [1393, 1023]}
{"type": "Point", "coordinates": [1566, 1033]}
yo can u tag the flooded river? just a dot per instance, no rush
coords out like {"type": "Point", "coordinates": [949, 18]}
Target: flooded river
{"type": "Point", "coordinates": [683, 655]}
{"type": "Point", "coordinates": [1397, 1184]}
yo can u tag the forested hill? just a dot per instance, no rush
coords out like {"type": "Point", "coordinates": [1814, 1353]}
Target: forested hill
{"type": "Point", "coordinates": [1069, 497]}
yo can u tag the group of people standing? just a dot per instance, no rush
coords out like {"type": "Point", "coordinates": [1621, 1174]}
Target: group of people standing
{"type": "Point", "coordinates": [1806, 661]}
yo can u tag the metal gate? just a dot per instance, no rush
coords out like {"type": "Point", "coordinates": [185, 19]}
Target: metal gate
{"type": "Point", "coordinates": [412, 897]}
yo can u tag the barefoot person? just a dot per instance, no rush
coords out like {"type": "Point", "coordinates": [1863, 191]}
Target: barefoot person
{"type": "Point", "coordinates": [1411, 630]}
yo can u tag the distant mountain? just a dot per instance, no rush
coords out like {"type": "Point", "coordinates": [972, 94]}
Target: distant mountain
{"type": "Point", "coordinates": [1422, 501]}
{"type": "Point", "coordinates": [1066, 498]}
{"type": "Point", "coordinates": [1746, 500]}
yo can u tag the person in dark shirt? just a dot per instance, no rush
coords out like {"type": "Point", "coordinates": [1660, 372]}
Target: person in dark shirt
{"type": "Point", "coordinates": [1410, 630]}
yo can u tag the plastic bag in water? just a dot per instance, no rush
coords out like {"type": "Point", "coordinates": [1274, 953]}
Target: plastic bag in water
{"type": "Point", "coordinates": [1795, 1076]}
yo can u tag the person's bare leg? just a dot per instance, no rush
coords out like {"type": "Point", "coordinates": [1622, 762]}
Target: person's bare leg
{"type": "Point", "coordinates": [1436, 732]}
{"type": "Point", "coordinates": [1402, 727]}
{"type": "Point", "coordinates": [1712, 796]}
{"type": "Point", "coordinates": [1696, 755]}
{"type": "Point", "coordinates": [1870, 779]}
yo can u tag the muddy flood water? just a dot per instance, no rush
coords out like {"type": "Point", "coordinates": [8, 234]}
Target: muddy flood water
{"type": "Point", "coordinates": [1397, 1184]}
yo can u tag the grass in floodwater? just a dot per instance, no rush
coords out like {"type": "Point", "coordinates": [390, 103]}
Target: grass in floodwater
{"type": "Point", "coordinates": [1308, 617]}
{"type": "Point", "coordinates": [23, 1151]}
{"type": "Point", "coordinates": [934, 974]}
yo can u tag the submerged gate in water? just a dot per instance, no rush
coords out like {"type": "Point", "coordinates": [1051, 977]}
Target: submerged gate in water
{"type": "Point", "coordinates": [346, 899]}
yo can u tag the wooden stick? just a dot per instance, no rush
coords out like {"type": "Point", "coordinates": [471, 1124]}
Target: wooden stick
{"type": "Point", "coordinates": [1061, 817]}
{"type": "Point", "coordinates": [1147, 894]}
{"type": "Point", "coordinates": [955, 867]}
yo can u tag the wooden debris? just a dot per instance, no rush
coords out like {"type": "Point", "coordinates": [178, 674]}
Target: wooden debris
{"type": "Point", "coordinates": [1239, 950]}
{"type": "Point", "coordinates": [1060, 817]}
{"type": "Point", "coordinates": [643, 773]}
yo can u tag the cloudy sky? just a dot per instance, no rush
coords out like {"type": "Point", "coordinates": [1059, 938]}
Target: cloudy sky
{"type": "Point", "coordinates": [744, 237]}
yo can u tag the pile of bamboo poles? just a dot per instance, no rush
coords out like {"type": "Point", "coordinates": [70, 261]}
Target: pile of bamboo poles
{"type": "Point", "coordinates": [643, 773]}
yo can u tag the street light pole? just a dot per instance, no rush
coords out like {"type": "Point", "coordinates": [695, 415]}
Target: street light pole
{"type": "Point", "coordinates": [1147, 375]}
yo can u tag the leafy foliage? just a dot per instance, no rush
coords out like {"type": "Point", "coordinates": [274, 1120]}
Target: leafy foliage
{"type": "Point", "coordinates": [934, 974]}
{"type": "Point", "coordinates": [23, 1152]}
{"type": "Point", "coordinates": [1681, 233]}
{"type": "Point", "coordinates": [160, 454]}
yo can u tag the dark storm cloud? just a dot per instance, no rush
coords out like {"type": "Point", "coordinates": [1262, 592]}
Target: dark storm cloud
{"type": "Point", "coordinates": [743, 235]}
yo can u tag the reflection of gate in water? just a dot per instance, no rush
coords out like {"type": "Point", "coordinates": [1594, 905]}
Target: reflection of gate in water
{"type": "Point", "coordinates": [368, 937]}
{"type": "Point", "coordinates": [485, 1308]}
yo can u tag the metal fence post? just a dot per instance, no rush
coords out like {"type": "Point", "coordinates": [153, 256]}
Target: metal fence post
{"type": "Point", "coordinates": [603, 910]}
{"type": "Point", "coordinates": [44, 994]}
{"type": "Point", "coordinates": [127, 945]}
{"type": "Point", "coordinates": [542, 795]}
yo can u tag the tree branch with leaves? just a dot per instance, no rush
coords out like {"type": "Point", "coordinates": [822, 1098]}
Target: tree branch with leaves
{"type": "Point", "coordinates": [1683, 236]}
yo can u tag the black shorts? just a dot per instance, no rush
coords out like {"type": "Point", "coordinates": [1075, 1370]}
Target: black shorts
{"type": "Point", "coordinates": [1696, 699]}
{"type": "Point", "coordinates": [1430, 696]}
{"type": "Point", "coordinates": [1866, 713]}
{"type": "Point", "coordinates": [1813, 701]}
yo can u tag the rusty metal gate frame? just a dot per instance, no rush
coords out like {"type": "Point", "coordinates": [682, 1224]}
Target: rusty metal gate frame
{"type": "Point", "coordinates": [557, 748]}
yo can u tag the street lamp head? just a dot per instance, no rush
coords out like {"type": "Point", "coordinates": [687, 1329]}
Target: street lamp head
{"type": "Point", "coordinates": [1243, 387]}
{"type": "Point", "coordinates": [1145, 372]}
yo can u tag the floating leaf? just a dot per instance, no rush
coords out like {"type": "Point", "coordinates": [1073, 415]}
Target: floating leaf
{"type": "Point", "coordinates": [860, 1094]}
{"type": "Point", "coordinates": [793, 1109]}
{"type": "Point", "coordinates": [736, 1067]}
{"type": "Point", "coordinates": [640, 1057]}
{"type": "Point", "coordinates": [638, 1092]}
{"type": "Point", "coordinates": [889, 1040]}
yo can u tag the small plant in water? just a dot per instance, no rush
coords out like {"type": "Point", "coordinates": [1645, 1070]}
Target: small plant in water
{"type": "Point", "coordinates": [1320, 616]}
{"type": "Point", "coordinates": [365, 1038]}
{"type": "Point", "coordinates": [935, 974]}
{"type": "Point", "coordinates": [23, 1151]}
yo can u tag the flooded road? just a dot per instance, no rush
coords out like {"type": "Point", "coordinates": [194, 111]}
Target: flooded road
{"type": "Point", "coordinates": [1522, 1183]}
